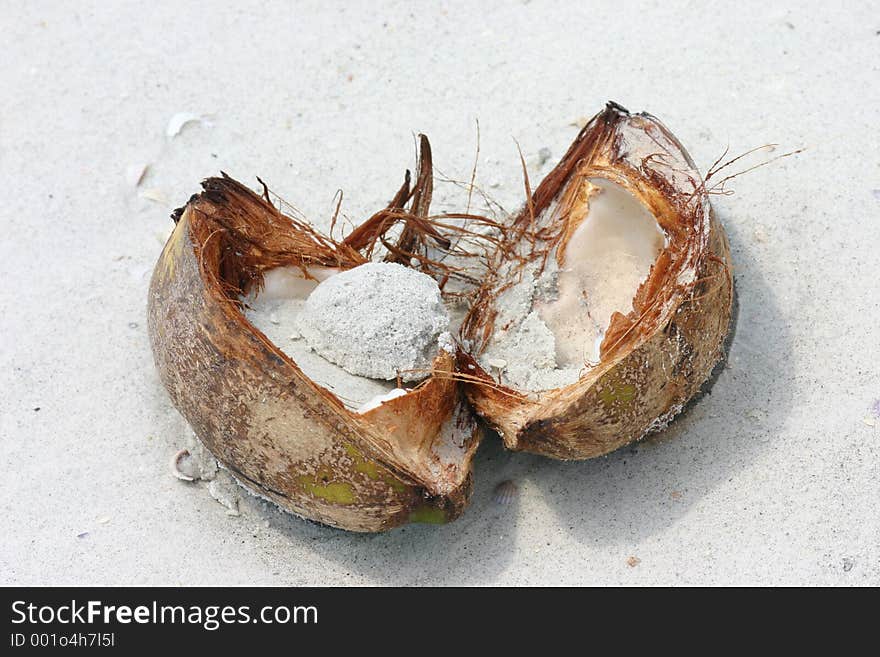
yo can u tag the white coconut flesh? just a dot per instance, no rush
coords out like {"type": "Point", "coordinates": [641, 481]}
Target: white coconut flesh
{"type": "Point", "coordinates": [550, 324]}
{"type": "Point", "coordinates": [357, 332]}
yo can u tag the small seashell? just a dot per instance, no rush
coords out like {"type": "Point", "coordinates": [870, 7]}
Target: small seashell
{"type": "Point", "coordinates": [177, 122]}
{"type": "Point", "coordinates": [155, 195]}
{"type": "Point", "coordinates": [498, 363]}
{"type": "Point", "coordinates": [182, 466]}
{"type": "Point", "coordinates": [505, 493]}
{"type": "Point", "coordinates": [632, 562]}
{"type": "Point", "coordinates": [135, 173]}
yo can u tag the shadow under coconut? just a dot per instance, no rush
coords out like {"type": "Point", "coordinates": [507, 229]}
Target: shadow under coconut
{"type": "Point", "coordinates": [619, 499]}
{"type": "Point", "coordinates": [430, 554]}
{"type": "Point", "coordinates": [419, 554]}
{"type": "Point", "coordinates": [643, 488]}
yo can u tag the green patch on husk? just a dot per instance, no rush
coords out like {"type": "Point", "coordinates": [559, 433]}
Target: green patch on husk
{"type": "Point", "coordinates": [617, 394]}
{"type": "Point", "coordinates": [372, 470]}
{"type": "Point", "coordinates": [428, 515]}
{"type": "Point", "coordinates": [336, 492]}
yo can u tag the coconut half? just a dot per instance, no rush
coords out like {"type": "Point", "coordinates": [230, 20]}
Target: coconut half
{"type": "Point", "coordinates": [404, 458]}
{"type": "Point", "coordinates": [637, 295]}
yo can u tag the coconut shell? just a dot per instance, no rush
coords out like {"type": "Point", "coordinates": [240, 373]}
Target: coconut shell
{"type": "Point", "coordinates": [653, 360]}
{"type": "Point", "coordinates": [279, 433]}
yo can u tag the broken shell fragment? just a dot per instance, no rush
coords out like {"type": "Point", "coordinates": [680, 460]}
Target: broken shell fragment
{"type": "Point", "coordinates": [609, 298]}
{"type": "Point", "coordinates": [182, 466]}
{"type": "Point", "coordinates": [505, 493]}
{"type": "Point", "coordinates": [407, 458]}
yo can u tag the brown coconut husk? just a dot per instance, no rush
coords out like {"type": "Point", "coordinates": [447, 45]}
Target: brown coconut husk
{"type": "Point", "coordinates": [652, 360]}
{"type": "Point", "coordinates": [278, 432]}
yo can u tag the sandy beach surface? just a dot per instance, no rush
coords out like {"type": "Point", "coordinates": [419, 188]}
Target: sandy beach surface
{"type": "Point", "coordinates": [773, 478]}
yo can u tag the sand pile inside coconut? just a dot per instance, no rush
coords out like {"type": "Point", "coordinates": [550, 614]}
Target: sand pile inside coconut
{"type": "Point", "coordinates": [358, 332]}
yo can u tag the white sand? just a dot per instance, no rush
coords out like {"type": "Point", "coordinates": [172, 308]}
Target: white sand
{"type": "Point", "coordinates": [772, 478]}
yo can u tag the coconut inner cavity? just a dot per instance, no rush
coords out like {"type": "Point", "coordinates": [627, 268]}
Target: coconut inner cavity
{"type": "Point", "coordinates": [355, 332]}
{"type": "Point", "coordinates": [551, 323]}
